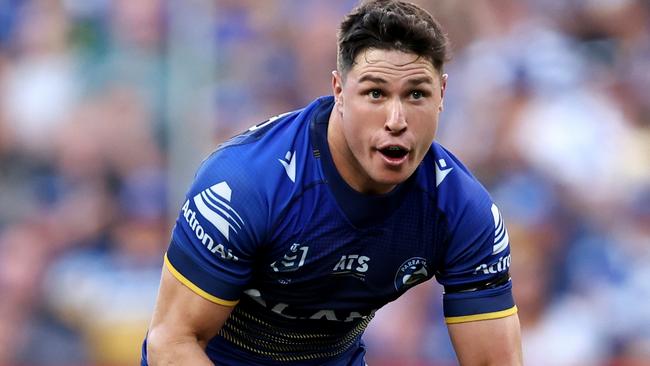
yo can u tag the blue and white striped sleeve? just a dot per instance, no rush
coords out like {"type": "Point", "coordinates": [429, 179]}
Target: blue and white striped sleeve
{"type": "Point", "coordinates": [475, 272]}
{"type": "Point", "coordinates": [217, 231]}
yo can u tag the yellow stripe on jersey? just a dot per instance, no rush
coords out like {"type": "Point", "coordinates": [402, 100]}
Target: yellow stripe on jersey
{"type": "Point", "coordinates": [196, 288]}
{"type": "Point", "coordinates": [485, 316]}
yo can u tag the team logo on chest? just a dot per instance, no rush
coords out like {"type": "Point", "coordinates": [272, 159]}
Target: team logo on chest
{"type": "Point", "coordinates": [411, 272]}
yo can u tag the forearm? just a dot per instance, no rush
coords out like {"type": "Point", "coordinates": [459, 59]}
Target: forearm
{"type": "Point", "coordinates": [165, 350]}
{"type": "Point", "coordinates": [488, 342]}
{"type": "Point", "coordinates": [182, 325]}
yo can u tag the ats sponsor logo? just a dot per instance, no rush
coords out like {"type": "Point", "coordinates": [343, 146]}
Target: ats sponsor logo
{"type": "Point", "coordinates": [352, 264]}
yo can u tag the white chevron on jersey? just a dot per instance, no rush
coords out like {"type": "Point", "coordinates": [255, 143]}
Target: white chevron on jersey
{"type": "Point", "coordinates": [213, 204]}
{"type": "Point", "coordinates": [501, 239]}
{"type": "Point", "coordinates": [289, 164]}
{"type": "Point", "coordinates": [442, 171]}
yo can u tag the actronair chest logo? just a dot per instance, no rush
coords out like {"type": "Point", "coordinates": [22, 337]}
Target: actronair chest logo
{"type": "Point", "coordinates": [501, 239]}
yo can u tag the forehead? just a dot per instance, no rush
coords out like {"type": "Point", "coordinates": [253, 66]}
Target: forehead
{"type": "Point", "coordinates": [391, 64]}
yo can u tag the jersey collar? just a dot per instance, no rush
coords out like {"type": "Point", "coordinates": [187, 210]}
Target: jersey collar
{"type": "Point", "coordinates": [362, 210]}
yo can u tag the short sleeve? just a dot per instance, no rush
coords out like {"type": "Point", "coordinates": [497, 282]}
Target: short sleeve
{"type": "Point", "coordinates": [475, 267]}
{"type": "Point", "coordinates": [217, 231]}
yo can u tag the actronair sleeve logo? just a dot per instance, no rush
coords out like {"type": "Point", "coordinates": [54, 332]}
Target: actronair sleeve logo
{"type": "Point", "coordinates": [501, 239]}
{"type": "Point", "coordinates": [214, 205]}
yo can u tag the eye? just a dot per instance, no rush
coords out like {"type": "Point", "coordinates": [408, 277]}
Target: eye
{"type": "Point", "coordinates": [375, 93]}
{"type": "Point", "coordinates": [417, 94]}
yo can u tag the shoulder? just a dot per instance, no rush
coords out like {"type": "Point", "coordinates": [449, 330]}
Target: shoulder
{"type": "Point", "coordinates": [476, 257]}
{"type": "Point", "coordinates": [265, 165]}
{"type": "Point", "coordinates": [465, 207]}
{"type": "Point", "coordinates": [457, 189]}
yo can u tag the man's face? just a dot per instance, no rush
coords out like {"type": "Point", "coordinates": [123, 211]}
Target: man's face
{"type": "Point", "coordinates": [385, 118]}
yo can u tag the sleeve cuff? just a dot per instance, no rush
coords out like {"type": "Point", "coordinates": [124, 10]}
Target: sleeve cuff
{"type": "Point", "coordinates": [484, 316]}
{"type": "Point", "coordinates": [203, 283]}
{"type": "Point", "coordinates": [471, 306]}
{"type": "Point", "coordinates": [196, 288]}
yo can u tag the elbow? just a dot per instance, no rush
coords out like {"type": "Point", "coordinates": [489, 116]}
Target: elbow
{"type": "Point", "coordinates": [155, 346]}
{"type": "Point", "coordinates": [166, 346]}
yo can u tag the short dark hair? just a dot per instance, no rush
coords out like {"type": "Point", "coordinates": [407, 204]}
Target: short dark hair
{"type": "Point", "coordinates": [390, 25]}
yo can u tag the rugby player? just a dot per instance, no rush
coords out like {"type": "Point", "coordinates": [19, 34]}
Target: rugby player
{"type": "Point", "coordinates": [296, 231]}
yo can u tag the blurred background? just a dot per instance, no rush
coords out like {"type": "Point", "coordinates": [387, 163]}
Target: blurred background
{"type": "Point", "coordinates": [107, 108]}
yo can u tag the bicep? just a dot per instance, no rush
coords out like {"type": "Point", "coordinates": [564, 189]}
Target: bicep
{"type": "Point", "coordinates": [182, 314]}
{"type": "Point", "coordinates": [487, 342]}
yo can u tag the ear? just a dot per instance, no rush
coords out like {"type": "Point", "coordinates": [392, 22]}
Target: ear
{"type": "Point", "coordinates": [337, 90]}
{"type": "Point", "coordinates": [443, 87]}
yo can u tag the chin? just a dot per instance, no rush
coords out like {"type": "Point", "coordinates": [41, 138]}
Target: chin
{"type": "Point", "coordinates": [392, 179]}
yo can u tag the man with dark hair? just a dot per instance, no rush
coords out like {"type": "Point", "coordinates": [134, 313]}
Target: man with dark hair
{"type": "Point", "coordinates": [295, 232]}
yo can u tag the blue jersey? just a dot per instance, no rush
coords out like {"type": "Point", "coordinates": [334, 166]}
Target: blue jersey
{"type": "Point", "coordinates": [271, 228]}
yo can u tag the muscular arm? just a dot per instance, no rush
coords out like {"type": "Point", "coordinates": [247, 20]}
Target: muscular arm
{"type": "Point", "coordinates": [488, 342]}
{"type": "Point", "coordinates": [183, 323]}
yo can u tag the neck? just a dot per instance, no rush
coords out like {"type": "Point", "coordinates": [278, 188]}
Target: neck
{"type": "Point", "coordinates": [347, 166]}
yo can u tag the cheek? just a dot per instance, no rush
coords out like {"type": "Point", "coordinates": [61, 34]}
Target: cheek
{"type": "Point", "coordinates": [356, 122]}
{"type": "Point", "coordinates": [432, 129]}
{"type": "Point", "coordinates": [354, 133]}
{"type": "Point", "coordinates": [428, 117]}
{"type": "Point", "coordinates": [425, 129]}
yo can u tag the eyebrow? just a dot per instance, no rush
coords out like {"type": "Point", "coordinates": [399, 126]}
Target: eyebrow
{"type": "Point", "coordinates": [373, 79]}
{"type": "Point", "coordinates": [378, 80]}
{"type": "Point", "coordinates": [422, 80]}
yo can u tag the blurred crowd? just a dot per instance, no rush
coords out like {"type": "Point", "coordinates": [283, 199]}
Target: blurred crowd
{"type": "Point", "coordinates": [547, 102]}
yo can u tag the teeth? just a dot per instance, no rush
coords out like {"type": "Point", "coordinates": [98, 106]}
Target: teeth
{"type": "Point", "coordinates": [394, 148]}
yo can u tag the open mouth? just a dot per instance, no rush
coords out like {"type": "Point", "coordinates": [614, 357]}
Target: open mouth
{"type": "Point", "coordinates": [394, 152]}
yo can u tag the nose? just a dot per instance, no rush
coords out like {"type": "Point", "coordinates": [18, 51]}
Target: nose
{"type": "Point", "coordinates": [395, 120]}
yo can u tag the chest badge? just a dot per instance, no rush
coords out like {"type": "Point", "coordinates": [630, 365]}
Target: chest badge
{"type": "Point", "coordinates": [411, 272]}
{"type": "Point", "coordinates": [292, 260]}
